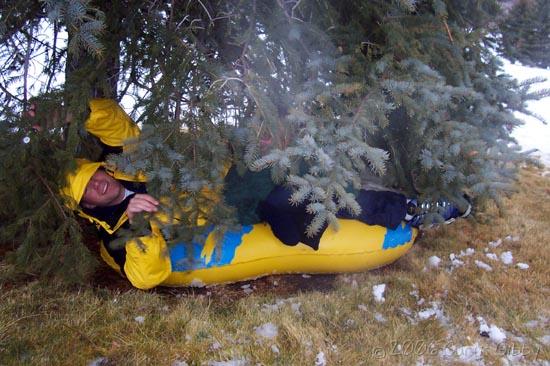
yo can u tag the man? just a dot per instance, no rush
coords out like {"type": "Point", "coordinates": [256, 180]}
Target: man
{"type": "Point", "coordinates": [111, 199]}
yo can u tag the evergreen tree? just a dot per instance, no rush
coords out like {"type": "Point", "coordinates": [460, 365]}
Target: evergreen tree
{"type": "Point", "coordinates": [526, 33]}
{"type": "Point", "coordinates": [326, 96]}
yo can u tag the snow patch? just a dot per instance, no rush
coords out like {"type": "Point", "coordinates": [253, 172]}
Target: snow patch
{"type": "Point", "coordinates": [236, 362]}
{"type": "Point", "coordinates": [295, 306]}
{"type": "Point", "coordinates": [378, 292]}
{"type": "Point", "coordinates": [532, 324]}
{"type": "Point", "coordinates": [522, 265]}
{"type": "Point", "coordinates": [139, 319]}
{"type": "Point", "coordinates": [349, 323]}
{"type": "Point", "coordinates": [275, 349]}
{"type": "Point", "coordinates": [247, 289]}
{"type": "Point", "coordinates": [273, 307]}
{"type": "Point", "coordinates": [483, 265]}
{"type": "Point", "coordinates": [426, 314]}
{"type": "Point", "coordinates": [100, 361]}
{"type": "Point", "coordinates": [279, 303]}
{"type": "Point", "coordinates": [513, 359]}
{"type": "Point", "coordinates": [492, 256]}
{"type": "Point", "coordinates": [409, 315]}
{"type": "Point", "coordinates": [197, 283]}
{"type": "Point", "coordinates": [267, 330]}
{"type": "Point", "coordinates": [470, 354]}
{"type": "Point", "coordinates": [455, 262]}
{"type": "Point", "coordinates": [496, 243]}
{"type": "Point", "coordinates": [507, 257]}
{"type": "Point", "coordinates": [466, 253]}
{"type": "Point", "coordinates": [179, 363]}
{"type": "Point", "coordinates": [434, 261]}
{"type": "Point", "coordinates": [466, 354]}
{"type": "Point", "coordinates": [380, 318]}
{"type": "Point", "coordinates": [545, 340]}
{"type": "Point", "coordinates": [320, 359]}
{"type": "Point", "coordinates": [434, 311]}
{"type": "Point", "coordinates": [495, 334]}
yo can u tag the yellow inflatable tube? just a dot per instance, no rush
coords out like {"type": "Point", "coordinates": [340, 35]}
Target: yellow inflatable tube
{"type": "Point", "coordinates": [254, 252]}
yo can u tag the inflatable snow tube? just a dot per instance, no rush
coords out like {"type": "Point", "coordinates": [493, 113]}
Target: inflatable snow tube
{"type": "Point", "coordinates": [255, 252]}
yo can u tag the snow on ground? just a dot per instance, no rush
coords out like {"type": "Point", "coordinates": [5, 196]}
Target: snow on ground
{"type": "Point", "coordinates": [434, 261]}
{"type": "Point", "coordinates": [236, 362]}
{"type": "Point", "coordinates": [98, 361]}
{"type": "Point", "coordinates": [523, 265]}
{"type": "Point", "coordinates": [471, 355]}
{"type": "Point", "coordinates": [267, 330]}
{"type": "Point", "coordinates": [320, 359]}
{"type": "Point", "coordinates": [378, 292]}
{"type": "Point", "coordinates": [507, 257]}
{"type": "Point", "coordinates": [494, 333]}
{"type": "Point", "coordinates": [139, 319]}
{"type": "Point", "coordinates": [279, 303]}
{"type": "Point", "coordinates": [534, 134]}
{"type": "Point", "coordinates": [380, 318]}
{"type": "Point", "coordinates": [179, 363]}
{"type": "Point", "coordinates": [483, 265]}
{"type": "Point", "coordinates": [492, 256]}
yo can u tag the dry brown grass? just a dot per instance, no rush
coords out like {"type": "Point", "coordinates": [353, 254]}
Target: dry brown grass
{"type": "Point", "coordinates": [44, 324]}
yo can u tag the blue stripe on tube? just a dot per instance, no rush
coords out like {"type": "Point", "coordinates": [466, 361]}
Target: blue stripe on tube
{"type": "Point", "coordinates": [223, 254]}
{"type": "Point", "coordinates": [394, 238]}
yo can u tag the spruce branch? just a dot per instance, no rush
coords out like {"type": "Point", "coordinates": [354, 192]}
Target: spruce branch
{"type": "Point", "coordinates": [50, 191]}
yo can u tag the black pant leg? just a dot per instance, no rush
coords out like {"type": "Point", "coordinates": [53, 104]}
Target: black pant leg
{"type": "Point", "coordinates": [382, 208]}
{"type": "Point", "coordinates": [288, 222]}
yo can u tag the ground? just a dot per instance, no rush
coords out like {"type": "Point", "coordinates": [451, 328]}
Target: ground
{"type": "Point", "coordinates": [474, 292]}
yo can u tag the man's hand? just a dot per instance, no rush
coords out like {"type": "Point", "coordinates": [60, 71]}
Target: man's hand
{"type": "Point", "coordinates": [140, 203]}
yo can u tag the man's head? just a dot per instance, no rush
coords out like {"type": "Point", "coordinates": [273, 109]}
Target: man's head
{"type": "Point", "coordinates": [102, 190]}
{"type": "Point", "coordinates": [90, 186]}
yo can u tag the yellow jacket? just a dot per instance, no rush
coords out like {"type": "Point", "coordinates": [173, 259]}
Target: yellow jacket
{"type": "Point", "coordinates": [148, 265]}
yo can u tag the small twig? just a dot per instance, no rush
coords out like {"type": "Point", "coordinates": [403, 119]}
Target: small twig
{"type": "Point", "coordinates": [10, 94]}
{"type": "Point", "coordinates": [26, 65]}
{"type": "Point", "coordinates": [131, 79]}
{"type": "Point", "coordinates": [54, 56]}
{"type": "Point", "coordinates": [224, 81]}
{"type": "Point", "coordinates": [207, 13]}
{"type": "Point", "coordinates": [294, 8]}
{"type": "Point", "coordinates": [448, 30]}
{"type": "Point", "coordinates": [168, 136]}
{"type": "Point", "coordinates": [41, 42]}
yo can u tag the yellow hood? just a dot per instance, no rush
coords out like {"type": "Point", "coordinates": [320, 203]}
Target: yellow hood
{"type": "Point", "coordinates": [77, 180]}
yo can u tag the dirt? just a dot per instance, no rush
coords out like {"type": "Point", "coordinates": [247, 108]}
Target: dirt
{"type": "Point", "coordinates": [280, 286]}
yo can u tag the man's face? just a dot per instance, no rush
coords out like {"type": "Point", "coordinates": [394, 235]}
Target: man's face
{"type": "Point", "coordinates": [102, 190]}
